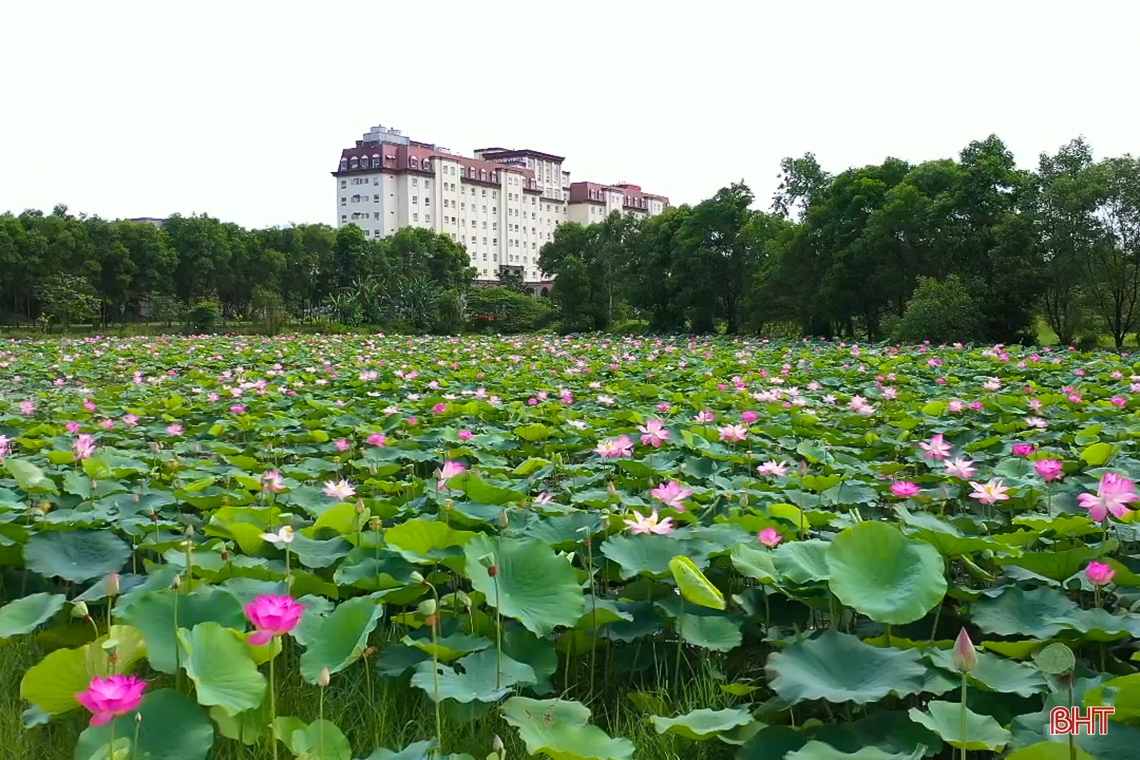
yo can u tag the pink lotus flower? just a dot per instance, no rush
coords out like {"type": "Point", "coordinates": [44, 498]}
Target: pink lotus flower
{"type": "Point", "coordinates": [956, 405]}
{"type": "Point", "coordinates": [664, 407]}
{"type": "Point", "coordinates": [770, 537]}
{"type": "Point", "coordinates": [936, 448]}
{"type": "Point", "coordinates": [439, 408]}
{"type": "Point", "coordinates": [671, 494]}
{"type": "Point", "coordinates": [174, 429]}
{"type": "Point", "coordinates": [465, 435]}
{"type": "Point", "coordinates": [107, 424]}
{"type": "Point", "coordinates": [449, 470]}
{"type": "Point", "coordinates": [1112, 494]}
{"type": "Point", "coordinates": [653, 433]}
{"type": "Point", "coordinates": [340, 490]}
{"type": "Point", "coordinates": [615, 448]}
{"type": "Point", "coordinates": [905, 489]}
{"type": "Point", "coordinates": [272, 616]}
{"type": "Point", "coordinates": [749, 417]}
{"type": "Point", "coordinates": [84, 446]}
{"type": "Point", "coordinates": [772, 467]}
{"type": "Point", "coordinates": [1049, 469]}
{"type": "Point", "coordinates": [1022, 449]}
{"type": "Point", "coordinates": [27, 408]}
{"type": "Point", "coordinates": [704, 416]}
{"type": "Point", "coordinates": [733, 433]}
{"type": "Point", "coordinates": [990, 492]}
{"type": "Point", "coordinates": [960, 468]}
{"type": "Point", "coordinates": [237, 409]}
{"type": "Point", "coordinates": [72, 427]}
{"type": "Point", "coordinates": [272, 482]}
{"type": "Point", "coordinates": [109, 697]}
{"type": "Point", "coordinates": [543, 498]}
{"type": "Point", "coordinates": [89, 406]}
{"type": "Point", "coordinates": [1118, 401]}
{"type": "Point", "coordinates": [5, 446]}
{"type": "Point", "coordinates": [964, 655]}
{"type": "Point", "coordinates": [130, 420]}
{"type": "Point", "coordinates": [650, 524]}
{"type": "Point", "coordinates": [342, 444]}
{"type": "Point", "coordinates": [1099, 574]}
{"type": "Point", "coordinates": [413, 421]}
{"type": "Point", "coordinates": [377, 439]}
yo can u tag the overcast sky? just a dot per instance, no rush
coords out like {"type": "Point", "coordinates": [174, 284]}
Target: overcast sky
{"type": "Point", "coordinates": [240, 109]}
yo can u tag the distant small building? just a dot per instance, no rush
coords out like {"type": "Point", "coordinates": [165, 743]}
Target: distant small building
{"type": "Point", "coordinates": [149, 220]}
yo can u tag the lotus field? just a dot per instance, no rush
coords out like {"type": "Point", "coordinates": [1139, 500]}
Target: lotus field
{"type": "Point", "coordinates": [581, 548]}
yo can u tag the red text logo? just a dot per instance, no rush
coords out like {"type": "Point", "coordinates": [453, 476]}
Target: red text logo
{"type": "Point", "coordinates": [1068, 720]}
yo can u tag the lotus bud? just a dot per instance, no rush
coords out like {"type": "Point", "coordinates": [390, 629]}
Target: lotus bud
{"type": "Point", "coordinates": [94, 484]}
{"type": "Point", "coordinates": [360, 508]}
{"type": "Point", "coordinates": [369, 651]}
{"type": "Point", "coordinates": [416, 577]}
{"type": "Point", "coordinates": [138, 718]}
{"type": "Point", "coordinates": [112, 584]}
{"type": "Point", "coordinates": [176, 583]}
{"type": "Point", "coordinates": [503, 520]}
{"type": "Point", "coordinates": [79, 610]}
{"type": "Point", "coordinates": [375, 523]}
{"type": "Point", "coordinates": [744, 501]}
{"type": "Point", "coordinates": [189, 530]}
{"type": "Point", "coordinates": [611, 489]}
{"type": "Point", "coordinates": [427, 607]}
{"type": "Point", "coordinates": [323, 678]}
{"type": "Point", "coordinates": [44, 506]}
{"type": "Point", "coordinates": [965, 656]}
{"type": "Point", "coordinates": [497, 745]}
{"type": "Point", "coordinates": [448, 505]}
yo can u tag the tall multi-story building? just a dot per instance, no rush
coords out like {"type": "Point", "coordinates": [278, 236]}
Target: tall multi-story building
{"type": "Point", "coordinates": [502, 204]}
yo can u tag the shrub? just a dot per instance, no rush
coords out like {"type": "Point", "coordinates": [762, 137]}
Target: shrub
{"type": "Point", "coordinates": [204, 317]}
{"type": "Point", "coordinates": [941, 311]}
{"type": "Point", "coordinates": [267, 308]}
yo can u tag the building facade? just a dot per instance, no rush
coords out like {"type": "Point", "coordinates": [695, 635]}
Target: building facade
{"type": "Point", "coordinates": [502, 204]}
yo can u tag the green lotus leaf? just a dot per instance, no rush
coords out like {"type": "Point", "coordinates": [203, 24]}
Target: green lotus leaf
{"type": "Point", "coordinates": [481, 677]}
{"type": "Point", "coordinates": [478, 490]}
{"type": "Point", "coordinates": [945, 719]}
{"type": "Point", "coordinates": [702, 724]}
{"type": "Point", "coordinates": [342, 637]}
{"type": "Point", "coordinates": [28, 477]}
{"type": "Point", "coordinates": [1123, 693]}
{"type": "Point", "coordinates": [220, 664]}
{"type": "Point", "coordinates": [1049, 751]}
{"type": "Point", "coordinates": [884, 575]}
{"type": "Point", "coordinates": [173, 727]}
{"type": "Point", "coordinates": [816, 750]}
{"type": "Point", "coordinates": [802, 562]}
{"type": "Point", "coordinates": [319, 740]}
{"type": "Point", "coordinates": [531, 584]}
{"type": "Point", "coordinates": [559, 729]}
{"type": "Point", "coordinates": [650, 555]}
{"type": "Point", "coordinates": [1098, 454]}
{"type": "Point", "coordinates": [76, 555]}
{"type": "Point", "coordinates": [52, 683]}
{"type": "Point", "coordinates": [1058, 565]}
{"type": "Point", "coordinates": [25, 615]}
{"type": "Point", "coordinates": [996, 673]}
{"type": "Point", "coordinates": [1039, 613]}
{"type": "Point", "coordinates": [694, 586]}
{"type": "Point", "coordinates": [415, 751]}
{"type": "Point", "coordinates": [425, 542]}
{"type": "Point", "coordinates": [839, 667]}
{"type": "Point", "coordinates": [154, 614]}
{"type": "Point", "coordinates": [754, 563]}
{"type": "Point", "coordinates": [447, 648]}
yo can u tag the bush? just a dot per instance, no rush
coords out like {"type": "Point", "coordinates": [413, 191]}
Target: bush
{"type": "Point", "coordinates": [502, 310]}
{"type": "Point", "coordinates": [941, 312]}
{"type": "Point", "coordinates": [267, 308]}
{"type": "Point", "coordinates": [204, 317]}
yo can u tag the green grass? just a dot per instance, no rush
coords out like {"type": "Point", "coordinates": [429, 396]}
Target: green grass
{"type": "Point", "coordinates": [395, 714]}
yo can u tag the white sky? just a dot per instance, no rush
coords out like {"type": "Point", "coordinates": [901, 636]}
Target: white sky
{"type": "Point", "coordinates": [240, 108]}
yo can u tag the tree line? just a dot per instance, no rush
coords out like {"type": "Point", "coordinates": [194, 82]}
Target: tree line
{"type": "Point", "coordinates": [964, 249]}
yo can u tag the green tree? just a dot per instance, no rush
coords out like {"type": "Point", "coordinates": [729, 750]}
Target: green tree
{"type": "Point", "coordinates": [1113, 268]}
{"type": "Point", "coordinates": [941, 312]}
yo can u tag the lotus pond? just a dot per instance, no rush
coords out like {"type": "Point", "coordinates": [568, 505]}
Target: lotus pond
{"type": "Point", "coordinates": [396, 548]}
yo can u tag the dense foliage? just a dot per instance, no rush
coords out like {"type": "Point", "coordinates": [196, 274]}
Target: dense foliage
{"type": "Point", "coordinates": [843, 255]}
{"type": "Point", "coordinates": [720, 546]}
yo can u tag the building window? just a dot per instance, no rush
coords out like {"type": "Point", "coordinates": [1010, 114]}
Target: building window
{"type": "Point", "coordinates": [415, 181]}
{"type": "Point", "coordinates": [375, 198]}
{"type": "Point", "coordinates": [494, 241]}
{"type": "Point", "coordinates": [411, 162]}
{"type": "Point", "coordinates": [415, 200]}
{"type": "Point", "coordinates": [343, 184]}
{"type": "Point", "coordinates": [344, 164]}
{"type": "Point", "coordinates": [375, 214]}
{"type": "Point", "coordinates": [427, 201]}
{"type": "Point", "coordinates": [427, 218]}
{"type": "Point", "coordinates": [343, 218]}
{"type": "Point", "coordinates": [415, 217]}
{"type": "Point", "coordinates": [343, 200]}
{"type": "Point", "coordinates": [483, 175]}
{"type": "Point", "coordinates": [354, 164]}
{"type": "Point", "coordinates": [427, 184]}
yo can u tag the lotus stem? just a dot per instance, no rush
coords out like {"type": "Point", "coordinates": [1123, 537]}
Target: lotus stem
{"type": "Point", "coordinates": [272, 708]}
{"type": "Point", "coordinates": [135, 745]}
{"type": "Point", "coordinates": [962, 724]}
